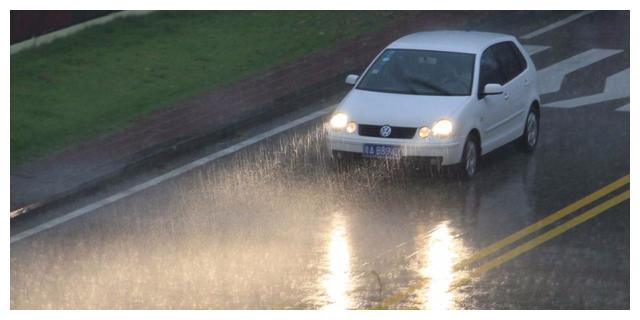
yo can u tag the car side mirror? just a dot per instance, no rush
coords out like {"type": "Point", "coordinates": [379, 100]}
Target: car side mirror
{"type": "Point", "coordinates": [351, 79]}
{"type": "Point", "coordinates": [492, 88]}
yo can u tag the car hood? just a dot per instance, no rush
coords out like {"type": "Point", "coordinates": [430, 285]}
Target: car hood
{"type": "Point", "coordinates": [402, 110]}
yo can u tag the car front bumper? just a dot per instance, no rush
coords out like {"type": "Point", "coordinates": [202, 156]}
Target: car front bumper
{"type": "Point", "coordinates": [450, 152]}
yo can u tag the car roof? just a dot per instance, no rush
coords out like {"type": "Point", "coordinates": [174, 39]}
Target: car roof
{"type": "Point", "coordinates": [454, 41]}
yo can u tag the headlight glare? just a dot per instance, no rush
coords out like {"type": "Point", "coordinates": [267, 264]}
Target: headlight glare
{"type": "Point", "coordinates": [443, 128]}
{"type": "Point", "coordinates": [339, 121]}
{"type": "Point", "coordinates": [424, 132]}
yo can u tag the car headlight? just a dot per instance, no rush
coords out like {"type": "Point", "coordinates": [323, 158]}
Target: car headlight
{"type": "Point", "coordinates": [339, 121]}
{"type": "Point", "coordinates": [351, 127]}
{"type": "Point", "coordinates": [424, 132]}
{"type": "Point", "coordinates": [443, 128]}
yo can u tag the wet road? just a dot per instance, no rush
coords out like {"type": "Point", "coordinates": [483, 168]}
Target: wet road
{"type": "Point", "coordinates": [272, 227]}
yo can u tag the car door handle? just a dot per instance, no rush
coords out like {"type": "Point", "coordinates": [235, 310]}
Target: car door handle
{"type": "Point", "coordinates": [506, 96]}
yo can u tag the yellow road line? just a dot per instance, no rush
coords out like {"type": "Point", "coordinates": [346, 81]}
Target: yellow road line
{"type": "Point", "coordinates": [543, 223]}
{"type": "Point", "coordinates": [398, 296]}
{"type": "Point", "coordinates": [543, 238]}
{"type": "Point", "coordinates": [551, 233]}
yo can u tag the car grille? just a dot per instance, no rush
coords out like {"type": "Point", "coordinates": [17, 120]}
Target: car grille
{"type": "Point", "coordinates": [396, 132]}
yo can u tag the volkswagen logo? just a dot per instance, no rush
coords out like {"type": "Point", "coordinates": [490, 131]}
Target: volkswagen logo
{"type": "Point", "coordinates": [385, 131]}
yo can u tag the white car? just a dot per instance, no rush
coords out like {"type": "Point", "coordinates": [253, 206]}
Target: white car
{"type": "Point", "coordinates": [448, 96]}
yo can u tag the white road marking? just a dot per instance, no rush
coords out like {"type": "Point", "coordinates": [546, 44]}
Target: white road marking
{"type": "Point", "coordinates": [556, 25]}
{"type": "Point", "coordinates": [550, 78]}
{"type": "Point", "coordinates": [164, 177]}
{"type": "Point", "coordinates": [533, 49]}
{"type": "Point", "coordinates": [624, 108]}
{"type": "Point", "coordinates": [616, 87]}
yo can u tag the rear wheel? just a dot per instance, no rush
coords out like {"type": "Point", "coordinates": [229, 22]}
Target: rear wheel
{"type": "Point", "coordinates": [470, 157]}
{"type": "Point", "coordinates": [529, 139]}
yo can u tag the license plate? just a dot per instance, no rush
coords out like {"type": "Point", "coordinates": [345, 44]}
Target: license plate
{"type": "Point", "coordinates": [380, 150]}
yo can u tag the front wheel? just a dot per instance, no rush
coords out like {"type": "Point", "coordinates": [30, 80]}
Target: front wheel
{"type": "Point", "coordinates": [470, 157]}
{"type": "Point", "coordinates": [529, 139]}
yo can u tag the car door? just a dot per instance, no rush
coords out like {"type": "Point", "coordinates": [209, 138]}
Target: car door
{"type": "Point", "coordinates": [493, 106]}
{"type": "Point", "coordinates": [512, 64]}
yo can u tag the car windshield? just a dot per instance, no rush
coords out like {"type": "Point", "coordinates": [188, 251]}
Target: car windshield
{"type": "Point", "coordinates": [420, 72]}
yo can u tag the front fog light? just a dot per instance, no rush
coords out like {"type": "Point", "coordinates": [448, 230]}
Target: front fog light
{"type": "Point", "coordinates": [351, 127]}
{"type": "Point", "coordinates": [338, 121]}
{"type": "Point", "coordinates": [443, 128]}
{"type": "Point", "coordinates": [424, 132]}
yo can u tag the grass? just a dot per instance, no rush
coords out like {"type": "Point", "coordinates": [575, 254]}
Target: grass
{"type": "Point", "coordinates": [98, 80]}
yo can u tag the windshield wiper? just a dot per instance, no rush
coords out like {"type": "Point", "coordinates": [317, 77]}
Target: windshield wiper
{"type": "Point", "coordinates": [428, 85]}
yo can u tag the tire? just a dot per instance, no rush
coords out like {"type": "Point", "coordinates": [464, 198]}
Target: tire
{"type": "Point", "coordinates": [470, 157]}
{"type": "Point", "coordinates": [529, 139]}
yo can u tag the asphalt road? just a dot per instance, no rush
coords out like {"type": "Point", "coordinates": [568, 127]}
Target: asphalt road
{"type": "Point", "coordinates": [272, 227]}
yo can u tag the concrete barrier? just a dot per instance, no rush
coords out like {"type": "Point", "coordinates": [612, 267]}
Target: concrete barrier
{"type": "Point", "coordinates": [50, 37]}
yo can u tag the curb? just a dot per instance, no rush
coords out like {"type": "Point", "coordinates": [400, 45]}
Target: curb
{"type": "Point", "coordinates": [165, 152]}
{"type": "Point", "coordinates": [50, 37]}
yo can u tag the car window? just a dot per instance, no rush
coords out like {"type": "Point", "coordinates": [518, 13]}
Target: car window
{"type": "Point", "coordinates": [509, 58]}
{"type": "Point", "coordinates": [522, 62]}
{"type": "Point", "coordinates": [420, 72]}
{"type": "Point", "coordinates": [490, 69]}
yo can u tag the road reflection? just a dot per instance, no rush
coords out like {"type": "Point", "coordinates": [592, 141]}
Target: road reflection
{"type": "Point", "coordinates": [438, 252]}
{"type": "Point", "coordinates": [281, 234]}
{"type": "Point", "coordinates": [337, 281]}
